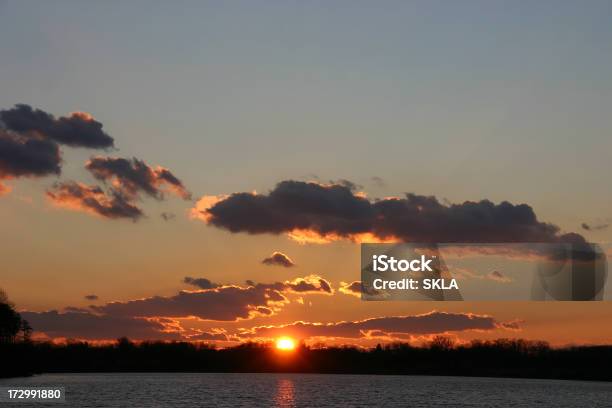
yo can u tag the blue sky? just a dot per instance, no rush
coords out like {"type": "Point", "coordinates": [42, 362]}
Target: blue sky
{"type": "Point", "coordinates": [505, 100]}
{"type": "Point", "coordinates": [453, 96]}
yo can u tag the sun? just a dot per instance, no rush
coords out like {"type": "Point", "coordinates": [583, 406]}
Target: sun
{"type": "Point", "coordinates": [285, 343]}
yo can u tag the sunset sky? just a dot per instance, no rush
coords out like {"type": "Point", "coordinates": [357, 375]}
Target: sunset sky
{"type": "Point", "coordinates": [313, 111]}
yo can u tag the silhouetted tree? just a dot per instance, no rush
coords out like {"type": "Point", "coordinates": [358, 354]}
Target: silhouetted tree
{"type": "Point", "coordinates": [441, 343]}
{"type": "Point", "coordinates": [11, 323]}
{"type": "Point", "coordinates": [26, 330]}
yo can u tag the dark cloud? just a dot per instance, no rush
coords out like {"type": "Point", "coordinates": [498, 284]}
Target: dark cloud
{"type": "Point", "coordinates": [201, 283]}
{"type": "Point", "coordinates": [356, 288]}
{"type": "Point", "coordinates": [77, 130]}
{"type": "Point", "coordinates": [23, 157]}
{"type": "Point", "coordinates": [335, 211]}
{"type": "Point", "coordinates": [126, 179]}
{"type": "Point", "coordinates": [79, 325]}
{"type": "Point", "coordinates": [346, 183]}
{"type": "Point", "coordinates": [30, 141]}
{"type": "Point", "coordinates": [29, 147]}
{"type": "Point", "coordinates": [308, 284]}
{"type": "Point", "coordinates": [224, 303]}
{"type": "Point", "coordinates": [75, 323]}
{"type": "Point", "coordinates": [416, 325]}
{"type": "Point", "coordinates": [94, 200]}
{"type": "Point", "coordinates": [132, 176]}
{"type": "Point", "coordinates": [512, 325]}
{"type": "Point", "coordinates": [597, 227]}
{"type": "Point", "coordinates": [278, 259]}
{"type": "Point", "coordinates": [91, 297]}
{"type": "Point", "coordinates": [28, 157]}
{"type": "Point", "coordinates": [209, 336]}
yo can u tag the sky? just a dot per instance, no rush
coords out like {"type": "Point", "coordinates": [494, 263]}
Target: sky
{"type": "Point", "coordinates": [477, 100]}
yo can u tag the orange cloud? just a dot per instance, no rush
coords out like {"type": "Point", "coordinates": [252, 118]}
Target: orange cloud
{"type": "Point", "coordinates": [93, 200]}
{"type": "Point", "coordinates": [200, 211]}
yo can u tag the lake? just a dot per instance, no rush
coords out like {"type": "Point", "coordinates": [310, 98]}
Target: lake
{"type": "Point", "coordinates": [311, 390]}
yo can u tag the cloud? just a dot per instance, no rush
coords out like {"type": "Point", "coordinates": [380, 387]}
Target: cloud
{"type": "Point", "coordinates": [222, 303]}
{"type": "Point", "coordinates": [512, 325]}
{"type": "Point", "coordinates": [132, 176]}
{"type": "Point", "coordinates": [30, 141]}
{"type": "Point", "coordinates": [346, 183]}
{"type": "Point", "coordinates": [308, 284]}
{"type": "Point", "coordinates": [79, 325]}
{"type": "Point", "coordinates": [79, 129]}
{"type": "Point", "coordinates": [157, 317]}
{"type": "Point", "coordinates": [127, 179]}
{"type": "Point", "coordinates": [23, 157]}
{"type": "Point", "coordinates": [278, 259]}
{"type": "Point", "coordinates": [75, 323]}
{"type": "Point", "coordinates": [334, 211]}
{"type": "Point", "coordinates": [215, 335]}
{"type": "Point", "coordinates": [356, 288]}
{"type": "Point", "coordinates": [200, 210]}
{"type": "Point", "coordinates": [228, 303]}
{"type": "Point", "coordinates": [91, 297]}
{"type": "Point", "coordinates": [201, 283]}
{"type": "Point", "coordinates": [93, 200]}
{"type": "Point", "coordinates": [416, 325]}
{"type": "Point", "coordinates": [598, 227]}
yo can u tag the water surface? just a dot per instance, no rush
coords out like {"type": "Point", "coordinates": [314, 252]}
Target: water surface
{"type": "Point", "coordinates": [312, 390]}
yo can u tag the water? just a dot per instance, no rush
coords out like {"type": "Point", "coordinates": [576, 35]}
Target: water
{"type": "Point", "coordinates": [311, 390]}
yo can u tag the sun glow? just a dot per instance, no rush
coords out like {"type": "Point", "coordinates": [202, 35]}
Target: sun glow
{"type": "Point", "coordinates": [285, 343]}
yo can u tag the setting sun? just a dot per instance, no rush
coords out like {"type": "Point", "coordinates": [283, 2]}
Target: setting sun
{"type": "Point", "coordinates": [285, 343]}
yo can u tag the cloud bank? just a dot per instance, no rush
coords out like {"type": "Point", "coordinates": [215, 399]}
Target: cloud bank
{"type": "Point", "coordinates": [415, 325]}
{"type": "Point", "coordinates": [81, 325]}
{"type": "Point", "coordinates": [156, 317]}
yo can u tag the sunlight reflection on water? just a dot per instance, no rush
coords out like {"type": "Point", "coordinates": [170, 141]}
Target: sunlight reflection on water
{"type": "Point", "coordinates": [285, 393]}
